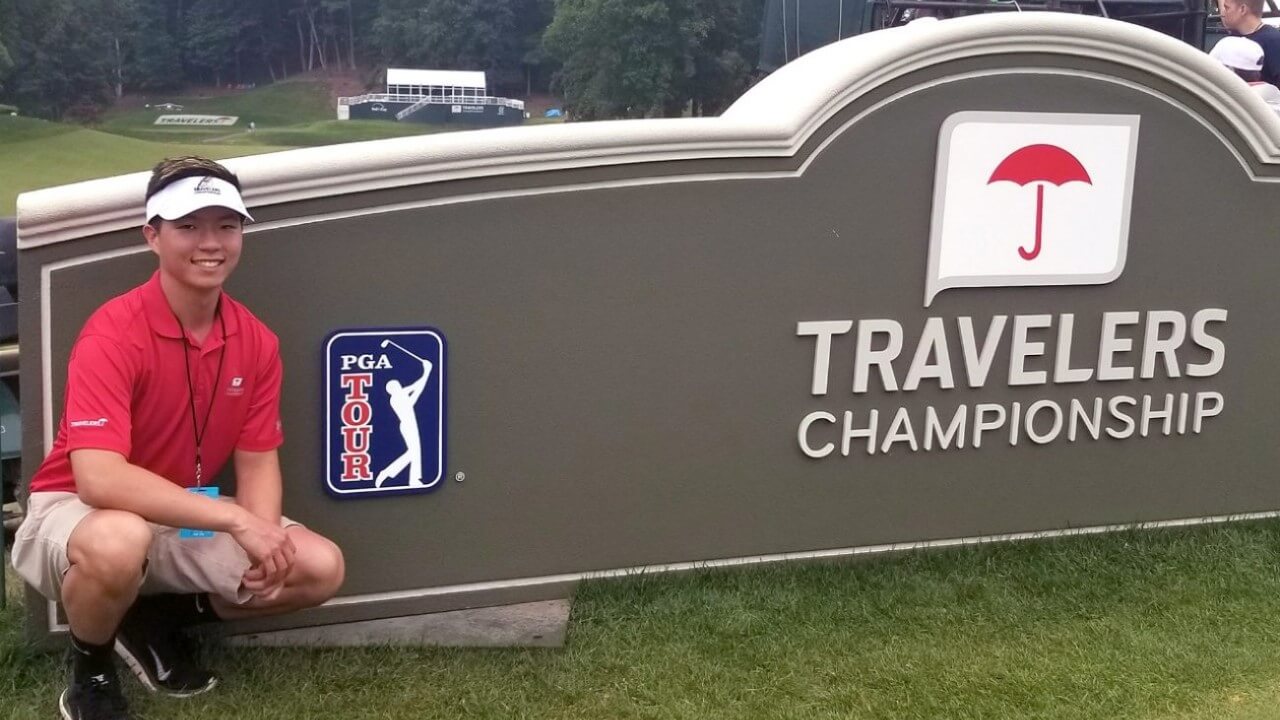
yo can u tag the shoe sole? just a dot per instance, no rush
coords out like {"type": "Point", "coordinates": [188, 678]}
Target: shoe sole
{"type": "Point", "coordinates": [136, 667]}
{"type": "Point", "coordinates": [63, 708]}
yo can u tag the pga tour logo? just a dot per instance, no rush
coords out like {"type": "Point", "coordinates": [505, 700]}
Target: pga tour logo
{"type": "Point", "coordinates": [1031, 199]}
{"type": "Point", "coordinates": [385, 424]}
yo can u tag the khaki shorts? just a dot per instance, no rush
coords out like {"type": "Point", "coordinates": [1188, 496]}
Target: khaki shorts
{"type": "Point", "coordinates": [214, 565]}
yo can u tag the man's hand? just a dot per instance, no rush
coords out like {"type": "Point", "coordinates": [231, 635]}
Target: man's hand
{"type": "Point", "coordinates": [270, 552]}
{"type": "Point", "coordinates": [255, 581]}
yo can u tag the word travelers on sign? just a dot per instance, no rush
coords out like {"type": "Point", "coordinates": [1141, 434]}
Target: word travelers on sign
{"type": "Point", "coordinates": [1172, 343]}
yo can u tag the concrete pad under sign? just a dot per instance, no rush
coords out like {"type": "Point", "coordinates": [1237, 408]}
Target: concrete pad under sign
{"type": "Point", "coordinates": [534, 624]}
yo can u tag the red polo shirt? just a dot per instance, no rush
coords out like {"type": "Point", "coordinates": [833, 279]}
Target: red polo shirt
{"type": "Point", "coordinates": [127, 390]}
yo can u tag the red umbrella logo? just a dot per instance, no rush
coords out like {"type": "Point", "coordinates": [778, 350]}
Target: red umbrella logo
{"type": "Point", "coordinates": [1039, 164]}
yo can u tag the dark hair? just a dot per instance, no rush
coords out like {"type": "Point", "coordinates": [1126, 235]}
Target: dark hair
{"type": "Point", "coordinates": [171, 170]}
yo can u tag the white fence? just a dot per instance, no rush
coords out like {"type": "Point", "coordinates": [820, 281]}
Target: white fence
{"type": "Point", "coordinates": [346, 102]}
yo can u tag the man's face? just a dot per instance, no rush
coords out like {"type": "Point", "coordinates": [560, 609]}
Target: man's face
{"type": "Point", "coordinates": [199, 250]}
{"type": "Point", "coordinates": [1234, 15]}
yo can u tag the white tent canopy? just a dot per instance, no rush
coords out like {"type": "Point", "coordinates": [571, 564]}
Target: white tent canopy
{"type": "Point", "coordinates": [404, 77]}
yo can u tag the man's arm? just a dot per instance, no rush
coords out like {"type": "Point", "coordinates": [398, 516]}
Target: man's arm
{"type": "Point", "coordinates": [259, 490]}
{"type": "Point", "coordinates": [1271, 56]}
{"type": "Point", "coordinates": [416, 388]}
{"type": "Point", "coordinates": [259, 486]}
{"type": "Point", "coordinates": [106, 480]}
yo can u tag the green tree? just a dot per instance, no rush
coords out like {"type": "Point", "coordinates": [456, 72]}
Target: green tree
{"type": "Point", "coordinates": [154, 60]}
{"type": "Point", "coordinates": [636, 58]}
{"type": "Point", "coordinates": [532, 19]}
{"type": "Point", "coordinates": [119, 22]}
{"type": "Point", "coordinates": [266, 38]}
{"type": "Point", "coordinates": [724, 57]}
{"type": "Point", "coordinates": [56, 54]}
{"type": "Point", "coordinates": [622, 58]}
{"type": "Point", "coordinates": [447, 34]}
{"type": "Point", "coordinates": [6, 64]}
{"type": "Point", "coordinates": [61, 60]}
{"type": "Point", "coordinates": [210, 45]}
{"type": "Point", "coordinates": [8, 29]}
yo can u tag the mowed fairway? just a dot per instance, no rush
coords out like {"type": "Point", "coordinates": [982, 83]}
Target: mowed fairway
{"type": "Point", "coordinates": [37, 154]}
{"type": "Point", "coordinates": [1161, 625]}
{"type": "Point", "coordinates": [275, 106]}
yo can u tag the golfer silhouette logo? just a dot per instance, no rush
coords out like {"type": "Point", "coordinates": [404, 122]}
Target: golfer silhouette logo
{"type": "Point", "coordinates": [403, 399]}
{"type": "Point", "coordinates": [385, 421]}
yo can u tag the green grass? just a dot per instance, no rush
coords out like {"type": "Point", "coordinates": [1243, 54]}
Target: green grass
{"type": "Point", "coordinates": [330, 132]}
{"type": "Point", "coordinates": [16, 130]}
{"type": "Point", "coordinates": [290, 114]}
{"type": "Point", "coordinates": [280, 104]}
{"type": "Point", "coordinates": [41, 154]}
{"type": "Point", "coordinates": [1167, 625]}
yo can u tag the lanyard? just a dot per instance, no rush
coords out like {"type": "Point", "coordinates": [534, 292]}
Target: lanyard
{"type": "Point", "coordinates": [197, 430]}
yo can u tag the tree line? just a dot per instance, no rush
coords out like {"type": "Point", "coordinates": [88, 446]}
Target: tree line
{"type": "Point", "coordinates": [606, 58]}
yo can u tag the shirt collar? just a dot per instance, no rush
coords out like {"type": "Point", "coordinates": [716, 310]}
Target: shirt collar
{"type": "Point", "coordinates": [165, 324]}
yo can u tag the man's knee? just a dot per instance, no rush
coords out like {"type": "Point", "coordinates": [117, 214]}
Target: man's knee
{"type": "Point", "coordinates": [110, 546]}
{"type": "Point", "coordinates": [321, 567]}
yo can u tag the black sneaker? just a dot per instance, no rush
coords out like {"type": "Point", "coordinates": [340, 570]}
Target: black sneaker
{"type": "Point", "coordinates": [162, 657]}
{"type": "Point", "coordinates": [94, 697]}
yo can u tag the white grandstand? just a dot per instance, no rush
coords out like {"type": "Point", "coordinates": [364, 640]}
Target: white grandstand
{"type": "Point", "coordinates": [433, 96]}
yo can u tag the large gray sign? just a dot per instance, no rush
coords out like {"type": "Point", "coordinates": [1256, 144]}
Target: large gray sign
{"type": "Point", "coordinates": [981, 279]}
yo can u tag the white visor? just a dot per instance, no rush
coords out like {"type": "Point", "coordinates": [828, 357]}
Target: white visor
{"type": "Point", "coordinates": [183, 197]}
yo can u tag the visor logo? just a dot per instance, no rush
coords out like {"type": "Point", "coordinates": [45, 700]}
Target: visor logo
{"type": "Point", "coordinates": [206, 187]}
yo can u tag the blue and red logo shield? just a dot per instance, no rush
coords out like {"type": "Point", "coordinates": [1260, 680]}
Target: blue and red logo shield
{"type": "Point", "coordinates": [384, 410]}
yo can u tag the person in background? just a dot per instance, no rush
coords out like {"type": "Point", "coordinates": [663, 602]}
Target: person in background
{"type": "Point", "coordinates": [1244, 18]}
{"type": "Point", "coordinates": [1245, 57]}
